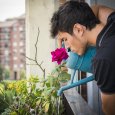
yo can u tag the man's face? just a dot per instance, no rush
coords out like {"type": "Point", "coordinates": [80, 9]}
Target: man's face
{"type": "Point", "coordinates": [76, 43]}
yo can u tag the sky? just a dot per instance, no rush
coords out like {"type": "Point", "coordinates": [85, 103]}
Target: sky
{"type": "Point", "coordinates": [11, 8]}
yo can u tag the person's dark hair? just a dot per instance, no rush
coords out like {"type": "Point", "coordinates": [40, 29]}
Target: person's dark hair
{"type": "Point", "coordinates": [70, 13]}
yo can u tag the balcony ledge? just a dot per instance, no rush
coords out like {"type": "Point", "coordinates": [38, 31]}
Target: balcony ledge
{"type": "Point", "coordinates": [76, 103]}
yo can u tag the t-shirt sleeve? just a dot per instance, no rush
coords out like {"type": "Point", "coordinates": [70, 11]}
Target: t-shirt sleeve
{"type": "Point", "coordinates": [111, 17]}
{"type": "Point", "coordinates": [104, 75]}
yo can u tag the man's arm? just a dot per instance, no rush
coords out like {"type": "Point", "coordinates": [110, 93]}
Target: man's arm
{"type": "Point", "coordinates": [102, 12]}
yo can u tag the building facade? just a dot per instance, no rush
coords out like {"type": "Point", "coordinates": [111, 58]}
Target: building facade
{"type": "Point", "coordinates": [12, 45]}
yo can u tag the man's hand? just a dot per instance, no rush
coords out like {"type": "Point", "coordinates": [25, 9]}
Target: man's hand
{"type": "Point", "coordinates": [59, 42]}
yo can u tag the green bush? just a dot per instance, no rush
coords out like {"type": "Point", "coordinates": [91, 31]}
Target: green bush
{"type": "Point", "coordinates": [1, 73]}
{"type": "Point", "coordinates": [35, 96]}
{"type": "Point", "coordinates": [6, 98]}
{"type": "Point", "coordinates": [22, 74]}
{"type": "Point", "coordinates": [6, 74]}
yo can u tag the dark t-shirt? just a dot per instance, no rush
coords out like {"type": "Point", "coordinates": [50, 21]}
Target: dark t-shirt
{"type": "Point", "coordinates": [104, 60]}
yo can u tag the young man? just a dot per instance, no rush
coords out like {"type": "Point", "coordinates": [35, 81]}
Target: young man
{"type": "Point", "coordinates": [80, 26]}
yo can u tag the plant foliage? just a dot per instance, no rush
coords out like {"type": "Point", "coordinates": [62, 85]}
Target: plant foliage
{"type": "Point", "coordinates": [35, 96]}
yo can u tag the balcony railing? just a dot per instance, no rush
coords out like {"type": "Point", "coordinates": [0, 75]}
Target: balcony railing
{"type": "Point", "coordinates": [75, 104]}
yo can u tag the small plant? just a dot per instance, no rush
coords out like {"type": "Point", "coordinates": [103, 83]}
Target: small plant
{"type": "Point", "coordinates": [39, 97]}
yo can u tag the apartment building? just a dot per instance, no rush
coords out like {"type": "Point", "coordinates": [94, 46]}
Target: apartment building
{"type": "Point", "coordinates": [12, 45]}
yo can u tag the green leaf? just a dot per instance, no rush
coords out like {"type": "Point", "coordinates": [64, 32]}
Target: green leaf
{"type": "Point", "coordinates": [47, 84]}
{"type": "Point", "coordinates": [47, 107]}
{"type": "Point", "coordinates": [64, 76]}
{"type": "Point", "coordinates": [13, 113]}
{"type": "Point", "coordinates": [38, 102]}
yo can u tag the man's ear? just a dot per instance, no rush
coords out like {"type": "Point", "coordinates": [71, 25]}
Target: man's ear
{"type": "Point", "coordinates": [78, 29]}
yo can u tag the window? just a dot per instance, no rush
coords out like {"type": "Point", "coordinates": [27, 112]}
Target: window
{"type": "Point", "coordinates": [6, 52]}
{"type": "Point", "coordinates": [15, 28]}
{"type": "Point", "coordinates": [6, 45]}
{"type": "Point", "coordinates": [15, 50]}
{"type": "Point", "coordinates": [21, 65]}
{"type": "Point", "coordinates": [21, 50]}
{"type": "Point", "coordinates": [15, 66]}
{"type": "Point", "coordinates": [6, 61]}
{"type": "Point", "coordinates": [15, 58]}
{"type": "Point", "coordinates": [15, 75]}
{"type": "Point", "coordinates": [6, 36]}
{"type": "Point", "coordinates": [15, 44]}
{"type": "Point", "coordinates": [15, 36]}
{"type": "Point", "coordinates": [21, 43]}
{"type": "Point", "coordinates": [22, 35]}
{"type": "Point", "coordinates": [21, 28]}
{"type": "Point", "coordinates": [5, 29]}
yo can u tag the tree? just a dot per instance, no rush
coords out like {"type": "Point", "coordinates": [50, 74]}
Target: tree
{"type": "Point", "coordinates": [1, 73]}
{"type": "Point", "coordinates": [22, 74]}
{"type": "Point", "coordinates": [6, 74]}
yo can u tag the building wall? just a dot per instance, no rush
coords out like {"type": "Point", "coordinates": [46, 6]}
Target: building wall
{"type": "Point", "coordinates": [12, 46]}
{"type": "Point", "coordinates": [38, 15]}
{"type": "Point", "coordinates": [4, 46]}
{"type": "Point", "coordinates": [17, 48]}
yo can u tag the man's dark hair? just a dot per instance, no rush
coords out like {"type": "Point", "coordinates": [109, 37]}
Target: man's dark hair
{"type": "Point", "coordinates": [70, 13]}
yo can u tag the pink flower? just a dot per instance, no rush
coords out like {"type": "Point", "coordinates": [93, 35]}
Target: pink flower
{"type": "Point", "coordinates": [59, 54]}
